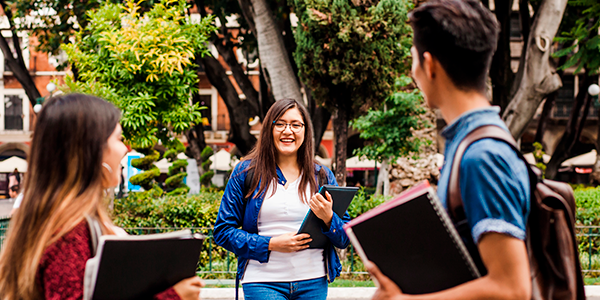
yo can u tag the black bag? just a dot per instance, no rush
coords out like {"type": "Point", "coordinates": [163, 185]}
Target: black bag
{"type": "Point", "coordinates": [551, 241]}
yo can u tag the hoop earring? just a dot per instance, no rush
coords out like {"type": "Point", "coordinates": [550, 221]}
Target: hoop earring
{"type": "Point", "coordinates": [105, 165]}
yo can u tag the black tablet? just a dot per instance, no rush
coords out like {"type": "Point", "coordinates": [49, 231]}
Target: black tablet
{"type": "Point", "coordinates": [341, 196]}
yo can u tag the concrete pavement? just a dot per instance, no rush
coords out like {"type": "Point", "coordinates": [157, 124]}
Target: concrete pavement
{"type": "Point", "coordinates": [592, 293]}
{"type": "Point", "coordinates": [5, 207]}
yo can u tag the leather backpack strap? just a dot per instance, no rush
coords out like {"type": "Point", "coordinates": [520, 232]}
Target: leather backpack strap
{"type": "Point", "coordinates": [455, 203]}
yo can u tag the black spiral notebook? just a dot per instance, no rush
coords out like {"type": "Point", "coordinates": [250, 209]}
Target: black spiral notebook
{"type": "Point", "coordinates": [138, 267]}
{"type": "Point", "coordinates": [413, 241]}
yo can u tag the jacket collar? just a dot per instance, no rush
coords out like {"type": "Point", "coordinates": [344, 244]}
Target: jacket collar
{"type": "Point", "coordinates": [281, 179]}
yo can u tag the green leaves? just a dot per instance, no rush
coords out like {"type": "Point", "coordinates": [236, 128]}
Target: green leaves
{"type": "Point", "coordinates": [389, 131]}
{"type": "Point", "coordinates": [582, 39]}
{"type": "Point", "coordinates": [144, 64]}
{"type": "Point", "coordinates": [342, 47]}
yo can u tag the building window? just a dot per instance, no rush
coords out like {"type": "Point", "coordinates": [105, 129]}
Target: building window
{"type": "Point", "coordinates": [565, 98]}
{"type": "Point", "coordinates": [515, 25]}
{"type": "Point", "coordinates": [13, 112]}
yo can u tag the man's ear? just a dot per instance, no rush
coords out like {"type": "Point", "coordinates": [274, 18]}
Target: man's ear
{"type": "Point", "coordinates": [429, 65]}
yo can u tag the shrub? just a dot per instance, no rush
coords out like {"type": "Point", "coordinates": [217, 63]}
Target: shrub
{"type": "Point", "coordinates": [147, 209]}
{"type": "Point", "coordinates": [587, 200]}
{"type": "Point", "coordinates": [363, 202]}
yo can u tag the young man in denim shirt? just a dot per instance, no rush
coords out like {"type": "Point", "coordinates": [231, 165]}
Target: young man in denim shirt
{"type": "Point", "coordinates": [454, 41]}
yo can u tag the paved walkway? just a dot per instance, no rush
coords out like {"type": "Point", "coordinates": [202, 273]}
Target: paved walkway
{"type": "Point", "coordinates": [592, 292]}
{"type": "Point", "coordinates": [5, 207]}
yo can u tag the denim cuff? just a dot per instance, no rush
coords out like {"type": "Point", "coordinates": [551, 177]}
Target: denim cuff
{"type": "Point", "coordinates": [496, 225]}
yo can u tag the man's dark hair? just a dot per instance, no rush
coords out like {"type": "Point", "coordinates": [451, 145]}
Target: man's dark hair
{"type": "Point", "coordinates": [461, 34]}
{"type": "Point", "coordinates": [15, 188]}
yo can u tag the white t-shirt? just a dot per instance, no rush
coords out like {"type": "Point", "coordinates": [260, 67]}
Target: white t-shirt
{"type": "Point", "coordinates": [283, 213]}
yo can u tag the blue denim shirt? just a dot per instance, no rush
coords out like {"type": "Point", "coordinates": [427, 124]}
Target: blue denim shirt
{"type": "Point", "coordinates": [494, 181]}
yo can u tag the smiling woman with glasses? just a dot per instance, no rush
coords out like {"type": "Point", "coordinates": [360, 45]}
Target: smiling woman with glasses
{"type": "Point", "coordinates": [266, 199]}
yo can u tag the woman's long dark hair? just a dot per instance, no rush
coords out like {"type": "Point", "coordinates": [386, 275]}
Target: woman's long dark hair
{"type": "Point", "coordinates": [64, 183]}
{"type": "Point", "coordinates": [264, 154]}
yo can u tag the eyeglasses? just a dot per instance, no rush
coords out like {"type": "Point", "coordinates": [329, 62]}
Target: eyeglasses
{"type": "Point", "coordinates": [294, 127]}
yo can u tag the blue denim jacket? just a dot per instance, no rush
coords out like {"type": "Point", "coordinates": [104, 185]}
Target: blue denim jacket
{"type": "Point", "coordinates": [494, 181]}
{"type": "Point", "coordinates": [235, 212]}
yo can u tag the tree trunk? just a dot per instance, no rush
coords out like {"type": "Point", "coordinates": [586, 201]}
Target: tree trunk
{"type": "Point", "coordinates": [196, 141]}
{"type": "Point", "coordinates": [320, 120]}
{"type": "Point", "coordinates": [340, 132]}
{"type": "Point", "coordinates": [265, 96]}
{"type": "Point", "coordinates": [541, 128]}
{"type": "Point", "coordinates": [596, 172]}
{"type": "Point", "coordinates": [240, 130]}
{"type": "Point", "coordinates": [548, 105]}
{"type": "Point", "coordinates": [252, 102]}
{"type": "Point", "coordinates": [536, 77]}
{"type": "Point", "coordinates": [273, 55]}
{"type": "Point", "coordinates": [17, 65]}
{"type": "Point", "coordinates": [573, 129]}
{"type": "Point", "coordinates": [247, 13]}
{"type": "Point", "coordinates": [500, 72]}
{"type": "Point", "coordinates": [383, 179]}
{"type": "Point", "coordinates": [525, 18]}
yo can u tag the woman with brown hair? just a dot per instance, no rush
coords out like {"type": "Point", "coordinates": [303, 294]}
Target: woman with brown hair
{"type": "Point", "coordinates": [268, 196]}
{"type": "Point", "coordinates": [75, 155]}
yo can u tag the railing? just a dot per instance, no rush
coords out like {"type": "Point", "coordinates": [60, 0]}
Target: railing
{"type": "Point", "coordinates": [215, 261]}
{"type": "Point", "coordinates": [588, 238]}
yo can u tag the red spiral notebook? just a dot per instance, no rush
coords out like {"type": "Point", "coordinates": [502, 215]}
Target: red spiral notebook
{"type": "Point", "coordinates": [413, 241]}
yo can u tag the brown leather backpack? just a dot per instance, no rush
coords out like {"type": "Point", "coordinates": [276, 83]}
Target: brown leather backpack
{"type": "Point", "coordinates": [551, 243]}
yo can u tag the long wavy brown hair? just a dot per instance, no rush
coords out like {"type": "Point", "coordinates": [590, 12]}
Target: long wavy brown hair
{"type": "Point", "coordinates": [264, 154]}
{"type": "Point", "coordinates": [64, 183]}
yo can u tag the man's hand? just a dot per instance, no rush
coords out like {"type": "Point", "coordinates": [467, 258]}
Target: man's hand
{"type": "Point", "coordinates": [386, 288]}
{"type": "Point", "coordinates": [289, 242]}
{"type": "Point", "coordinates": [322, 208]}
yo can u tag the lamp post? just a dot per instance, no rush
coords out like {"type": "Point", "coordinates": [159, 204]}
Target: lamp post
{"type": "Point", "coordinates": [594, 90]}
{"type": "Point", "coordinates": [38, 105]}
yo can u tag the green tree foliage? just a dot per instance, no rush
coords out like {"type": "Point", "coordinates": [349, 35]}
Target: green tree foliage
{"type": "Point", "coordinates": [146, 163]}
{"type": "Point", "coordinates": [174, 183]}
{"type": "Point", "coordinates": [54, 24]}
{"type": "Point", "coordinates": [583, 38]}
{"type": "Point", "coordinates": [144, 64]}
{"type": "Point", "coordinates": [207, 174]}
{"type": "Point", "coordinates": [389, 131]}
{"type": "Point", "coordinates": [538, 154]}
{"type": "Point", "coordinates": [352, 49]}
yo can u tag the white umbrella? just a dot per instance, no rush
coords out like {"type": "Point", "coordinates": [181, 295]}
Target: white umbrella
{"type": "Point", "coordinates": [324, 161]}
{"type": "Point", "coordinates": [531, 159]}
{"type": "Point", "coordinates": [8, 165]}
{"type": "Point", "coordinates": [356, 163]}
{"type": "Point", "coordinates": [587, 159]}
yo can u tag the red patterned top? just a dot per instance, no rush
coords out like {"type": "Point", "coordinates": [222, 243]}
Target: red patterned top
{"type": "Point", "coordinates": [62, 267]}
